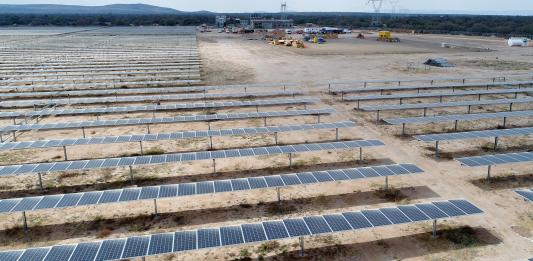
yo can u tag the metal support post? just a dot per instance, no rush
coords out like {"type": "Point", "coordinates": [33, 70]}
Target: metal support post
{"type": "Point", "coordinates": [278, 190]}
{"type": "Point", "coordinates": [155, 206]}
{"type": "Point", "coordinates": [505, 122]}
{"type": "Point", "coordinates": [14, 136]}
{"type": "Point", "coordinates": [14, 121]}
{"type": "Point", "coordinates": [401, 101]}
{"type": "Point", "coordinates": [511, 107]}
{"type": "Point", "coordinates": [83, 131]}
{"type": "Point", "coordinates": [469, 108]}
{"type": "Point", "coordinates": [318, 118]}
{"type": "Point", "coordinates": [377, 118]}
{"type": "Point", "coordinates": [361, 154]}
{"type": "Point", "coordinates": [488, 172]}
{"type": "Point", "coordinates": [440, 99]}
{"type": "Point", "coordinates": [97, 117]}
{"type": "Point", "coordinates": [40, 181]}
{"type": "Point", "coordinates": [211, 142]}
{"type": "Point", "coordinates": [456, 125]}
{"type": "Point", "coordinates": [403, 129]}
{"type": "Point", "coordinates": [24, 221]}
{"type": "Point", "coordinates": [302, 248]}
{"type": "Point", "coordinates": [358, 104]}
{"type": "Point", "coordinates": [141, 146]}
{"type": "Point", "coordinates": [337, 134]}
{"type": "Point", "coordinates": [496, 143]}
{"type": "Point", "coordinates": [437, 155]}
{"type": "Point", "coordinates": [342, 96]}
{"type": "Point", "coordinates": [425, 112]}
{"type": "Point", "coordinates": [65, 152]}
{"type": "Point", "coordinates": [131, 175]}
{"type": "Point", "coordinates": [329, 88]}
{"type": "Point", "coordinates": [256, 108]}
{"type": "Point", "coordinates": [148, 128]}
{"type": "Point", "coordinates": [209, 125]}
{"type": "Point", "coordinates": [245, 89]}
{"type": "Point", "coordinates": [214, 167]}
{"type": "Point", "coordinates": [479, 97]}
{"type": "Point", "coordinates": [386, 182]}
{"type": "Point", "coordinates": [276, 137]}
{"type": "Point", "coordinates": [516, 94]}
{"type": "Point", "coordinates": [434, 234]}
{"type": "Point", "coordinates": [265, 121]}
{"type": "Point", "coordinates": [1, 137]}
{"type": "Point", "coordinates": [290, 160]}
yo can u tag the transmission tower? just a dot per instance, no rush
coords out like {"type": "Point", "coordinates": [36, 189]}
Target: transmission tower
{"type": "Point", "coordinates": [284, 11]}
{"type": "Point", "coordinates": [376, 18]}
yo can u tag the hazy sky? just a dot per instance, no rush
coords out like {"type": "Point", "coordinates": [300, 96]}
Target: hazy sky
{"type": "Point", "coordinates": [310, 5]}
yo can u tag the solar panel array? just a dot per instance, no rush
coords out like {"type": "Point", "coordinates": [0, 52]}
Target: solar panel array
{"type": "Point", "coordinates": [182, 157]}
{"type": "Point", "coordinates": [200, 188]}
{"type": "Point", "coordinates": [476, 134]}
{"type": "Point", "coordinates": [498, 159]}
{"type": "Point", "coordinates": [139, 246]}
{"type": "Point", "coordinates": [177, 119]}
{"type": "Point", "coordinates": [171, 136]}
{"type": "Point", "coordinates": [440, 86]}
{"type": "Point", "coordinates": [435, 94]}
{"type": "Point", "coordinates": [100, 100]}
{"type": "Point", "coordinates": [444, 104]}
{"type": "Point", "coordinates": [527, 194]}
{"type": "Point", "coordinates": [458, 117]}
{"type": "Point", "coordinates": [149, 108]}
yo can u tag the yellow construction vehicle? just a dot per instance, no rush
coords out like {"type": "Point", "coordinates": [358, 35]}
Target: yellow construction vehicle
{"type": "Point", "coordinates": [386, 36]}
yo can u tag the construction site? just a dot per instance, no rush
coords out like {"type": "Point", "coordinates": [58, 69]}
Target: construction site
{"type": "Point", "coordinates": [174, 143]}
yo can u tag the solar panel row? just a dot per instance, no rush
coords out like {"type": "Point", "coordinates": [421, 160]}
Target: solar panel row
{"type": "Point", "coordinates": [181, 157]}
{"type": "Point", "coordinates": [100, 79]}
{"type": "Point", "coordinates": [168, 107]}
{"type": "Point", "coordinates": [476, 134]}
{"type": "Point", "coordinates": [498, 159]}
{"type": "Point", "coordinates": [527, 194]}
{"type": "Point", "coordinates": [458, 117]}
{"type": "Point", "coordinates": [101, 100]}
{"type": "Point", "coordinates": [139, 246]}
{"type": "Point", "coordinates": [171, 136]}
{"type": "Point", "coordinates": [199, 188]}
{"type": "Point", "coordinates": [177, 119]}
{"type": "Point", "coordinates": [436, 94]}
{"type": "Point", "coordinates": [101, 85]}
{"type": "Point", "coordinates": [444, 104]}
{"type": "Point", "coordinates": [434, 86]}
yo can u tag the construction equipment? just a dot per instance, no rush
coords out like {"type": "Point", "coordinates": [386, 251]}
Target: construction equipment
{"type": "Point", "coordinates": [386, 36]}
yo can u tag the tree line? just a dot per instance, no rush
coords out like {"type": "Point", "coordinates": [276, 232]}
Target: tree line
{"type": "Point", "coordinates": [463, 24]}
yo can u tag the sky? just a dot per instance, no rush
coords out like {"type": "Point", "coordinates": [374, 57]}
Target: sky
{"type": "Point", "coordinates": [403, 6]}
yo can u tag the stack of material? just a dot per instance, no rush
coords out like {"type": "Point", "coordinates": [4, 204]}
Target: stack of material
{"type": "Point", "coordinates": [439, 62]}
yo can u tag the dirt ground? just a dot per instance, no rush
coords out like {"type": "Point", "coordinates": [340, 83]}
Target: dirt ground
{"type": "Point", "coordinates": [503, 232]}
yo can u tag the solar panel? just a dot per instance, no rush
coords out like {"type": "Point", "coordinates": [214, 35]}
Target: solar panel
{"type": "Point", "coordinates": [444, 104]}
{"type": "Point", "coordinates": [527, 194]}
{"type": "Point", "coordinates": [177, 119]}
{"type": "Point", "coordinates": [231, 235]}
{"type": "Point", "coordinates": [10, 256]}
{"type": "Point", "coordinates": [431, 211]}
{"type": "Point", "coordinates": [476, 134]}
{"type": "Point", "coordinates": [489, 160]}
{"type": "Point", "coordinates": [449, 208]}
{"type": "Point", "coordinates": [459, 117]}
{"type": "Point", "coordinates": [132, 99]}
{"type": "Point", "coordinates": [187, 189]}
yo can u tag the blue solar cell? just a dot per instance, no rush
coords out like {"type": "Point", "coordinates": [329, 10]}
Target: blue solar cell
{"type": "Point", "coordinates": [398, 170]}
{"type": "Point", "coordinates": [185, 240]}
{"type": "Point", "coordinates": [338, 175]}
{"type": "Point", "coordinates": [290, 179]}
{"type": "Point", "coordinates": [110, 196]}
{"type": "Point", "coordinates": [136, 246]}
{"type": "Point", "coordinates": [205, 187]}
{"type": "Point", "coordinates": [368, 172]}
{"type": "Point", "coordinates": [353, 174]}
{"type": "Point", "coordinates": [223, 186]}
{"type": "Point", "coordinates": [431, 211]}
{"type": "Point", "coordinates": [187, 189]}
{"type": "Point", "coordinates": [130, 194]}
{"type": "Point", "coordinates": [60, 253]}
{"type": "Point", "coordinates": [257, 182]}
{"type": "Point", "coordinates": [26, 204]}
{"type": "Point", "coordinates": [7, 204]}
{"type": "Point", "coordinates": [111, 249]}
{"type": "Point", "coordinates": [376, 217]}
{"type": "Point", "coordinates": [383, 171]}
{"type": "Point", "coordinates": [10, 255]}
{"type": "Point", "coordinates": [337, 222]}
{"type": "Point", "coordinates": [161, 243]}
{"type": "Point", "coordinates": [449, 209]}
{"type": "Point", "coordinates": [317, 225]}
{"type": "Point", "coordinates": [322, 176]}
{"type": "Point", "coordinates": [69, 200]}
{"type": "Point", "coordinates": [33, 254]}
{"type": "Point", "coordinates": [90, 198]}
{"type": "Point", "coordinates": [149, 192]}
{"type": "Point", "coordinates": [85, 251]}
{"type": "Point", "coordinates": [275, 230]}
{"type": "Point", "coordinates": [306, 178]}
{"type": "Point", "coordinates": [357, 220]}
{"type": "Point", "coordinates": [231, 235]}
{"type": "Point", "coordinates": [466, 206]}
{"type": "Point", "coordinates": [395, 215]}
{"type": "Point", "coordinates": [253, 233]}
{"type": "Point", "coordinates": [208, 238]}
{"type": "Point", "coordinates": [413, 213]}
{"type": "Point", "coordinates": [274, 181]}
{"type": "Point", "coordinates": [167, 191]}
{"type": "Point", "coordinates": [240, 184]}
{"type": "Point", "coordinates": [48, 202]}
{"type": "Point", "coordinates": [296, 227]}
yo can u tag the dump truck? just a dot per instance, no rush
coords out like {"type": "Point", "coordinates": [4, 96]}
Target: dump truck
{"type": "Point", "coordinates": [386, 36]}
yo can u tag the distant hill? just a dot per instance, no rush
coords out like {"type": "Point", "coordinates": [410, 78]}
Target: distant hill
{"type": "Point", "coordinates": [119, 9]}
